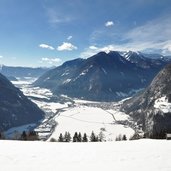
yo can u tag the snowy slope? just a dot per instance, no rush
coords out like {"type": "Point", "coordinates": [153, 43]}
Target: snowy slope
{"type": "Point", "coordinates": [163, 104]}
{"type": "Point", "coordinates": [141, 155]}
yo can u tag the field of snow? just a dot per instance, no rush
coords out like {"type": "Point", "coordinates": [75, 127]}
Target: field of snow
{"type": "Point", "coordinates": [86, 119]}
{"type": "Point", "coordinates": [137, 155]}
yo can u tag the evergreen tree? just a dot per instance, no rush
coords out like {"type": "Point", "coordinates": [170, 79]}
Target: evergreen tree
{"type": "Point", "coordinates": [124, 137]}
{"type": "Point", "coordinates": [60, 139]}
{"type": "Point", "coordinates": [101, 136]}
{"type": "Point", "coordinates": [85, 139]}
{"type": "Point", "coordinates": [93, 137]}
{"type": "Point", "coordinates": [67, 137]}
{"type": "Point", "coordinates": [79, 137]}
{"type": "Point", "coordinates": [24, 136]}
{"type": "Point", "coordinates": [75, 137]}
{"type": "Point", "coordinates": [118, 138]}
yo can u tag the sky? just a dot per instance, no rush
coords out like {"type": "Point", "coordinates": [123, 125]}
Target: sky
{"type": "Point", "coordinates": [49, 32]}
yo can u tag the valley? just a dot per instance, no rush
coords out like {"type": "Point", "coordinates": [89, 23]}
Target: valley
{"type": "Point", "coordinates": [74, 115]}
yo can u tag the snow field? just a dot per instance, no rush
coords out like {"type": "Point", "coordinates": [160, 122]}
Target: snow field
{"type": "Point", "coordinates": [87, 119]}
{"type": "Point", "coordinates": [141, 155]}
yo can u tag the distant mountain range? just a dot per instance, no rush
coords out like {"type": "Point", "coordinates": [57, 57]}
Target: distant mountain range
{"type": "Point", "coordinates": [104, 76]}
{"type": "Point", "coordinates": [152, 107]}
{"type": "Point", "coordinates": [15, 108]}
{"type": "Point", "coordinates": [21, 72]}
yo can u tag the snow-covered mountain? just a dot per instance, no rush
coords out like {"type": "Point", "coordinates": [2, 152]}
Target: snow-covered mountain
{"type": "Point", "coordinates": [152, 108]}
{"type": "Point", "coordinates": [102, 77]}
{"type": "Point", "coordinates": [22, 72]}
{"type": "Point", "coordinates": [15, 108]}
{"type": "Point", "coordinates": [145, 60]}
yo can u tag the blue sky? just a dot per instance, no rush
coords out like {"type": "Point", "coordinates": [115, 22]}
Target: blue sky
{"type": "Point", "coordinates": [49, 32]}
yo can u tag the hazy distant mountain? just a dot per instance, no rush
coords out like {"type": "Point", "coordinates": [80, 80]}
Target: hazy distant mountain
{"type": "Point", "coordinates": [152, 108]}
{"type": "Point", "coordinates": [11, 78]}
{"type": "Point", "coordinates": [22, 71]}
{"type": "Point", "coordinates": [15, 108]}
{"type": "Point", "coordinates": [104, 76]}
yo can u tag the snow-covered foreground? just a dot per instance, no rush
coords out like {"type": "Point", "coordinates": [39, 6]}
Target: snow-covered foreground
{"type": "Point", "coordinates": [140, 155]}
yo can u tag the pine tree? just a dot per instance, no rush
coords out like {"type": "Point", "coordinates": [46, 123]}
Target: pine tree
{"type": "Point", "coordinates": [93, 137]}
{"type": "Point", "coordinates": [67, 137]}
{"type": "Point", "coordinates": [75, 137]}
{"type": "Point", "coordinates": [79, 137]}
{"type": "Point", "coordinates": [118, 138]}
{"type": "Point", "coordinates": [60, 139]}
{"type": "Point", "coordinates": [24, 136]}
{"type": "Point", "coordinates": [85, 139]}
{"type": "Point", "coordinates": [124, 137]}
{"type": "Point", "coordinates": [101, 136]}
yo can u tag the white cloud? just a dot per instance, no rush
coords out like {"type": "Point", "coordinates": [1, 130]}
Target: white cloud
{"type": "Point", "coordinates": [93, 47]}
{"type": "Point", "coordinates": [50, 60]}
{"type": "Point", "coordinates": [69, 37]}
{"type": "Point", "coordinates": [153, 36]}
{"type": "Point", "coordinates": [92, 50]}
{"type": "Point", "coordinates": [1, 56]}
{"type": "Point", "coordinates": [109, 23]}
{"type": "Point", "coordinates": [66, 46]}
{"type": "Point", "coordinates": [45, 46]}
{"type": "Point", "coordinates": [163, 47]}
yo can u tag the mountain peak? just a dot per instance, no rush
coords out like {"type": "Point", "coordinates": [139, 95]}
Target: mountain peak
{"type": "Point", "coordinates": [104, 77]}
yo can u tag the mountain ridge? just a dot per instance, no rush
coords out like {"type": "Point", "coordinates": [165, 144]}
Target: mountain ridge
{"type": "Point", "coordinates": [16, 109]}
{"type": "Point", "coordinates": [103, 77]}
{"type": "Point", "coordinates": [20, 71]}
{"type": "Point", "coordinates": [152, 108]}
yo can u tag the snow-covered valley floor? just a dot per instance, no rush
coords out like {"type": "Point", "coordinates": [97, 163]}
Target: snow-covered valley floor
{"type": "Point", "coordinates": [137, 155]}
{"type": "Point", "coordinates": [74, 115]}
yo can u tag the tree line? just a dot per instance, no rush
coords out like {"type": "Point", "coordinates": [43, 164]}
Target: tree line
{"type": "Point", "coordinates": [78, 137]}
{"type": "Point", "coordinates": [66, 137]}
{"type": "Point", "coordinates": [25, 136]}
